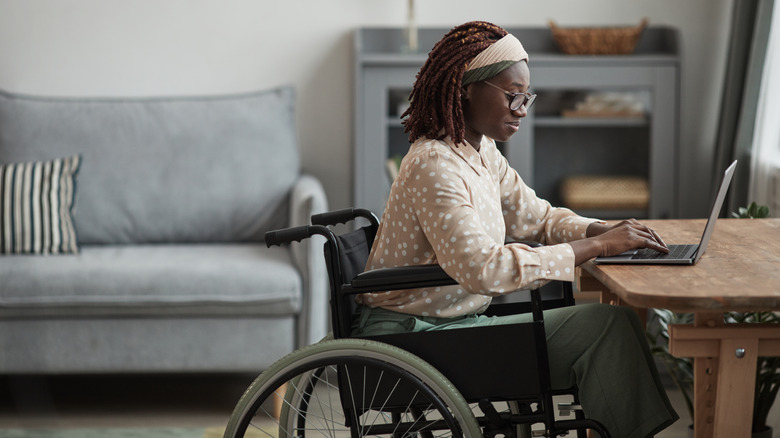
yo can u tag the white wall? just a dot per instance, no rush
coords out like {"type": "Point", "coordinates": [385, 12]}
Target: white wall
{"type": "Point", "coordinates": [171, 47]}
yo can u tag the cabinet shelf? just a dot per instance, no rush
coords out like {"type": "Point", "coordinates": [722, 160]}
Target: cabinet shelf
{"type": "Point", "coordinates": [548, 147]}
{"type": "Point", "coordinates": [595, 122]}
{"type": "Point", "coordinates": [612, 214]}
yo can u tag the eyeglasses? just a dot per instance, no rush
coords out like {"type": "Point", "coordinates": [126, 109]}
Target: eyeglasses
{"type": "Point", "coordinates": [516, 100]}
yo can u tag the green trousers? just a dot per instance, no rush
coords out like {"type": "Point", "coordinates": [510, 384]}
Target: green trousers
{"type": "Point", "coordinates": [600, 348]}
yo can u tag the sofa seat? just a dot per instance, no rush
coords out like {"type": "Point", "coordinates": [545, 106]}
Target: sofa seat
{"type": "Point", "coordinates": [154, 280]}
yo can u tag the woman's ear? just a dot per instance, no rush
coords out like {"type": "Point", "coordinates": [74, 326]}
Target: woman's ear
{"type": "Point", "coordinates": [465, 93]}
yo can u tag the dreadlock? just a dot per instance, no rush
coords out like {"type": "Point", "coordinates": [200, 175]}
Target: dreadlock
{"type": "Point", "coordinates": [436, 95]}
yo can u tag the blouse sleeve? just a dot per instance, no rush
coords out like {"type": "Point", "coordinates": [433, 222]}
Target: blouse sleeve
{"type": "Point", "coordinates": [528, 217]}
{"type": "Point", "coordinates": [468, 241]}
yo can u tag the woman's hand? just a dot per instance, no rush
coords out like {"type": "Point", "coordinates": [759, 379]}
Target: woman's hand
{"type": "Point", "coordinates": [606, 240]}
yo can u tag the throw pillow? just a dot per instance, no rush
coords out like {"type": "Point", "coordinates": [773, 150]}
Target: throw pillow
{"type": "Point", "coordinates": [36, 207]}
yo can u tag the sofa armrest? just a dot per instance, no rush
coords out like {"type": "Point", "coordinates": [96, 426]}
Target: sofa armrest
{"type": "Point", "coordinates": [307, 198]}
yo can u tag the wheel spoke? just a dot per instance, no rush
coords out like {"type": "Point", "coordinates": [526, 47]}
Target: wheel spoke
{"type": "Point", "coordinates": [383, 393]}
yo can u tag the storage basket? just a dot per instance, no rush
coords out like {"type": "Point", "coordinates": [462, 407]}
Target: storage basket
{"type": "Point", "coordinates": [605, 192]}
{"type": "Point", "coordinates": [597, 40]}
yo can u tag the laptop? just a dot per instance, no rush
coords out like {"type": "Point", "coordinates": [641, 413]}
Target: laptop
{"type": "Point", "coordinates": [684, 254]}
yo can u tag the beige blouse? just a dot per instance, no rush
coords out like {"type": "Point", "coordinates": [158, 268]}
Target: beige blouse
{"type": "Point", "coordinates": [454, 206]}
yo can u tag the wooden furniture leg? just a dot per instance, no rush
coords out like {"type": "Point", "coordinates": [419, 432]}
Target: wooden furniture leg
{"type": "Point", "coordinates": [705, 381]}
{"type": "Point", "coordinates": [279, 401]}
{"type": "Point", "coordinates": [736, 377]}
{"type": "Point", "coordinates": [725, 358]}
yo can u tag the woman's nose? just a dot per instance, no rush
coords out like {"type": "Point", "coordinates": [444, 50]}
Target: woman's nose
{"type": "Point", "coordinates": [521, 112]}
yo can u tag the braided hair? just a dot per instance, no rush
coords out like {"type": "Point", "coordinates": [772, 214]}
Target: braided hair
{"type": "Point", "coordinates": [436, 96]}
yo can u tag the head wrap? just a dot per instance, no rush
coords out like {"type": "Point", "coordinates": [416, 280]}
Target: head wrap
{"type": "Point", "coordinates": [496, 58]}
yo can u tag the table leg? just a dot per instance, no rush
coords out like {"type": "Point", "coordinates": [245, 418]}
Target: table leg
{"type": "Point", "coordinates": [732, 373]}
{"type": "Point", "coordinates": [705, 372]}
{"type": "Point", "coordinates": [737, 378]}
{"type": "Point", "coordinates": [705, 382]}
{"type": "Point", "coordinates": [278, 401]}
{"type": "Point", "coordinates": [725, 360]}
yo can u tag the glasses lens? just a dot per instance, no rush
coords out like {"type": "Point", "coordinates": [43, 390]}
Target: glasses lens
{"type": "Point", "coordinates": [522, 100]}
{"type": "Point", "coordinates": [530, 101]}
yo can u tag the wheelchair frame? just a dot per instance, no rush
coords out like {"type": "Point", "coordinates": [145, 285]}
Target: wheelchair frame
{"type": "Point", "coordinates": [416, 386]}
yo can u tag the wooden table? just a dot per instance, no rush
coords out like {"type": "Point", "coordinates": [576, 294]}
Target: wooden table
{"type": "Point", "coordinates": [740, 271]}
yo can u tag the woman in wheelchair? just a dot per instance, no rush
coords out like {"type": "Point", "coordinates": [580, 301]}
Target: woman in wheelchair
{"type": "Point", "coordinates": [455, 202]}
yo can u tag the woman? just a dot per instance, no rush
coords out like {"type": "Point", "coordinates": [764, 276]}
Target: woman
{"type": "Point", "coordinates": [456, 200]}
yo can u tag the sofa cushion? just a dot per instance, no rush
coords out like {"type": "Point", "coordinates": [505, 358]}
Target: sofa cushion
{"type": "Point", "coordinates": [162, 170]}
{"type": "Point", "coordinates": [153, 280]}
{"type": "Point", "coordinates": [36, 202]}
{"type": "Point", "coordinates": [207, 344]}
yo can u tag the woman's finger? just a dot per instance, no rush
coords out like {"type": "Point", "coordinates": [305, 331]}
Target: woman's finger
{"type": "Point", "coordinates": [650, 237]}
{"type": "Point", "coordinates": [658, 239]}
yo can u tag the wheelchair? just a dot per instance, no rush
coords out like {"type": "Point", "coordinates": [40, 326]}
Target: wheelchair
{"type": "Point", "coordinates": [472, 382]}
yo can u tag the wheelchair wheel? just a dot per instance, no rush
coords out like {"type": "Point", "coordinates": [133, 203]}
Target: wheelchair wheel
{"type": "Point", "coordinates": [352, 388]}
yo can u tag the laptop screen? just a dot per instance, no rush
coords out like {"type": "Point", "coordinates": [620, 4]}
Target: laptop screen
{"type": "Point", "coordinates": [724, 187]}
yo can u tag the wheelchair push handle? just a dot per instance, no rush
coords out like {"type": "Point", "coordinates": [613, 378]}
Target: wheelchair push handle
{"type": "Point", "coordinates": [334, 217]}
{"type": "Point", "coordinates": [343, 216]}
{"type": "Point", "coordinates": [288, 235]}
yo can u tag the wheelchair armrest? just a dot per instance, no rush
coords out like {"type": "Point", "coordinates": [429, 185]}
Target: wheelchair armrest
{"type": "Point", "coordinates": [402, 277]}
{"type": "Point", "coordinates": [407, 277]}
{"type": "Point", "coordinates": [531, 243]}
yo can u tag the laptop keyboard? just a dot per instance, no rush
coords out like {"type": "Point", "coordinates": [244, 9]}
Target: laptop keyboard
{"type": "Point", "coordinates": [675, 252]}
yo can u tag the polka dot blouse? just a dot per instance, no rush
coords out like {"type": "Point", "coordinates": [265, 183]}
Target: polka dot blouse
{"type": "Point", "coordinates": [455, 206]}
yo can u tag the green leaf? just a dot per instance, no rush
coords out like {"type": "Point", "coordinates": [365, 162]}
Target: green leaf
{"type": "Point", "coordinates": [752, 211]}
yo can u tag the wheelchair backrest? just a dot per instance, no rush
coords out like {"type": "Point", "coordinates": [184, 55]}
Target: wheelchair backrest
{"type": "Point", "coordinates": [352, 254]}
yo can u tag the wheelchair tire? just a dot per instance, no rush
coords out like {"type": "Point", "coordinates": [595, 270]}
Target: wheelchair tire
{"type": "Point", "coordinates": [313, 401]}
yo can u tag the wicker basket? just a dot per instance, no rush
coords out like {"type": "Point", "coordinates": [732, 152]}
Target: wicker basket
{"type": "Point", "coordinates": [597, 40]}
{"type": "Point", "coordinates": [605, 192]}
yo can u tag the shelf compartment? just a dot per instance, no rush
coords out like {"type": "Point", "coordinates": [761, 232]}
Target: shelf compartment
{"type": "Point", "coordinates": [595, 122]}
{"type": "Point", "coordinates": [561, 153]}
{"type": "Point", "coordinates": [618, 214]}
{"type": "Point", "coordinates": [605, 192]}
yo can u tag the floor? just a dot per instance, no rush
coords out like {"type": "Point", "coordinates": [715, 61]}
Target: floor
{"type": "Point", "coordinates": [154, 401]}
{"type": "Point", "coordinates": [141, 401]}
{"type": "Point", "coordinates": [119, 401]}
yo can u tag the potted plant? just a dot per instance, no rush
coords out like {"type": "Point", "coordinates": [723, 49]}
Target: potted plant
{"type": "Point", "coordinates": [752, 211]}
{"type": "Point", "coordinates": [681, 369]}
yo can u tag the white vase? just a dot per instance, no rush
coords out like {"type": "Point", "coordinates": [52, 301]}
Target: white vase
{"type": "Point", "coordinates": [412, 45]}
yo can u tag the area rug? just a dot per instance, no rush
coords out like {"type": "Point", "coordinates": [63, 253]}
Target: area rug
{"type": "Point", "coordinates": [218, 432]}
{"type": "Point", "coordinates": [128, 432]}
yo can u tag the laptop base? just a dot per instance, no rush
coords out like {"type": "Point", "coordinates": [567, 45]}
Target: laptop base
{"type": "Point", "coordinates": [630, 257]}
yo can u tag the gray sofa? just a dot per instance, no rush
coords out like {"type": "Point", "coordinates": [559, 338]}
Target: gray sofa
{"type": "Point", "coordinates": [148, 256]}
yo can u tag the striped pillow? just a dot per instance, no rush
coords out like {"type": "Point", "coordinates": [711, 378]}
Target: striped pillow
{"type": "Point", "coordinates": [36, 206]}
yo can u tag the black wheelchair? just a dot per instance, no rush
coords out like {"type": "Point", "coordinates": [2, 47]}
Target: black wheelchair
{"type": "Point", "coordinates": [472, 382]}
